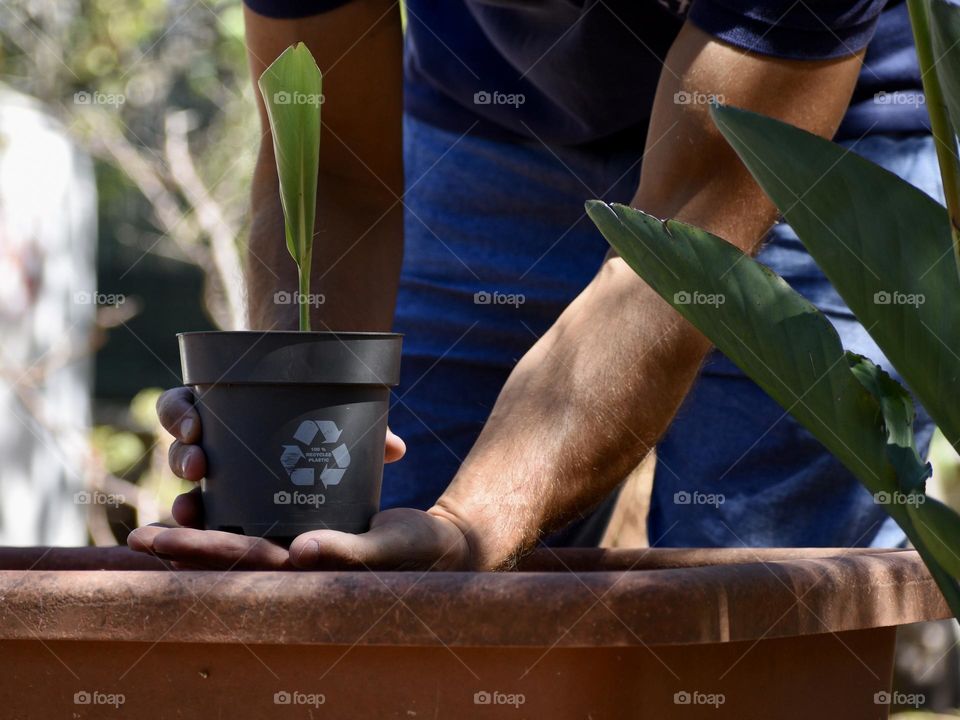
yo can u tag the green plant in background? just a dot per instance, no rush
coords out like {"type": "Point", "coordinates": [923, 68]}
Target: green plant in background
{"type": "Point", "coordinates": [936, 30]}
{"type": "Point", "coordinates": [883, 244]}
{"type": "Point", "coordinates": [292, 89]}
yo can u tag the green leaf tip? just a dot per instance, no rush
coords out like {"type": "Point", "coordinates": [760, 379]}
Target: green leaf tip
{"type": "Point", "coordinates": [599, 211]}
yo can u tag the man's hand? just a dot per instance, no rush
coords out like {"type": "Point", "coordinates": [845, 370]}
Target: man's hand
{"type": "Point", "coordinates": [179, 417]}
{"type": "Point", "coordinates": [397, 539]}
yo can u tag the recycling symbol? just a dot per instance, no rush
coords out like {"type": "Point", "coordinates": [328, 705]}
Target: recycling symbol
{"type": "Point", "coordinates": [315, 448]}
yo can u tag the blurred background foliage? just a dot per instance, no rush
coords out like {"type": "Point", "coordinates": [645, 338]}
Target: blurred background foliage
{"type": "Point", "coordinates": [158, 93]}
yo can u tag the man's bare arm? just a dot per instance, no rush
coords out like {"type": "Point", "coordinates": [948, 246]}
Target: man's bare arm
{"type": "Point", "coordinates": [359, 230]}
{"type": "Point", "coordinates": [597, 391]}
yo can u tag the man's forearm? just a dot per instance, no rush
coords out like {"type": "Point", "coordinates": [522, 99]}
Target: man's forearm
{"type": "Point", "coordinates": [578, 412]}
{"type": "Point", "coordinates": [602, 385]}
{"type": "Point", "coordinates": [357, 253]}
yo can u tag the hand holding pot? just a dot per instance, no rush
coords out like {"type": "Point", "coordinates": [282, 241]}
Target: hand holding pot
{"type": "Point", "coordinates": [400, 538]}
{"type": "Point", "coordinates": [179, 417]}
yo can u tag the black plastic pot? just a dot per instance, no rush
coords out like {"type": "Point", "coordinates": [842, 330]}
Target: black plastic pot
{"type": "Point", "coordinates": [294, 426]}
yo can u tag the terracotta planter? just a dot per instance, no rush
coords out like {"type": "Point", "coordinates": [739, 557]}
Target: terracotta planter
{"type": "Point", "coordinates": [582, 633]}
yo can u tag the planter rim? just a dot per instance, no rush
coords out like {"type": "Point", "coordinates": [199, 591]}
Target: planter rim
{"type": "Point", "coordinates": [681, 598]}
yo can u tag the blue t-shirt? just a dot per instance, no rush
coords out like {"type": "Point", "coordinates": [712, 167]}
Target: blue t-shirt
{"type": "Point", "coordinates": [584, 72]}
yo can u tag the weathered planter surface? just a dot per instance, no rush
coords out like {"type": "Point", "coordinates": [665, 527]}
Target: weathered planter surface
{"type": "Point", "coordinates": [90, 633]}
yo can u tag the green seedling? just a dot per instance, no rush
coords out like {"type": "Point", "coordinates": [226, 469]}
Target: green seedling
{"type": "Point", "coordinates": [292, 90]}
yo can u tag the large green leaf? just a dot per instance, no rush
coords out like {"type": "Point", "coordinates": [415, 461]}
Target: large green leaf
{"type": "Point", "coordinates": [292, 89]}
{"type": "Point", "coordinates": [766, 328]}
{"type": "Point", "coordinates": [936, 33]}
{"type": "Point", "coordinates": [787, 347]}
{"type": "Point", "coordinates": [884, 245]}
{"type": "Point", "coordinates": [943, 25]}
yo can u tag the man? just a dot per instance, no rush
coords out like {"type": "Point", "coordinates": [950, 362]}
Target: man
{"type": "Point", "coordinates": [538, 368]}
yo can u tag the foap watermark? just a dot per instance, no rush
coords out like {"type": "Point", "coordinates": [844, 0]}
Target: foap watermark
{"type": "Point", "coordinates": [695, 697]}
{"type": "Point", "coordinates": [685, 97]}
{"type": "Point", "coordinates": [685, 297]}
{"type": "Point", "coordinates": [498, 298]}
{"type": "Point", "coordinates": [95, 97]}
{"type": "Point", "coordinates": [282, 97]}
{"type": "Point", "coordinates": [898, 498]}
{"type": "Point", "coordinates": [95, 497]}
{"type": "Point", "coordinates": [283, 497]}
{"type": "Point", "coordinates": [484, 697]}
{"type": "Point", "coordinates": [283, 297]}
{"type": "Point", "coordinates": [295, 697]}
{"type": "Point", "coordinates": [885, 297]}
{"type": "Point", "coordinates": [88, 297]}
{"type": "Point", "coordinates": [495, 97]}
{"type": "Point", "coordinates": [900, 699]}
{"type": "Point", "coordinates": [96, 697]}
{"type": "Point", "coordinates": [908, 97]}
{"type": "Point", "coordinates": [685, 497]}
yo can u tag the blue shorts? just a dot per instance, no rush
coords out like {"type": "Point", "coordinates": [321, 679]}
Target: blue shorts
{"type": "Point", "coordinates": [497, 244]}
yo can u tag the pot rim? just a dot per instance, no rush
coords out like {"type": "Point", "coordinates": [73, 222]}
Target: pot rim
{"type": "Point", "coordinates": [290, 357]}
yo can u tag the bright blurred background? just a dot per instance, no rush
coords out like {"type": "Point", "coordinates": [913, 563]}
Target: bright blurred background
{"type": "Point", "coordinates": [127, 138]}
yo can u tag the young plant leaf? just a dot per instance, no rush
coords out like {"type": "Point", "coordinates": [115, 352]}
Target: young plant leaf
{"type": "Point", "coordinates": [884, 245]}
{"type": "Point", "coordinates": [292, 90]}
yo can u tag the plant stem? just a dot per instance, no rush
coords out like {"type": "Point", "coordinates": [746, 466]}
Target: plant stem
{"type": "Point", "coordinates": [947, 584]}
{"type": "Point", "coordinates": [944, 136]}
{"type": "Point", "coordinates": [303, 271]}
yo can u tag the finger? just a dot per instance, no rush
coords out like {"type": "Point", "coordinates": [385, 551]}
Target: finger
{"type": "Point", "coordinates": [209, 549]}
{"type": "Point", "coordinates": [398, 539]}
{"type": "Point", "coordinates": [141, 539]}
{"type": "Point", "coordinates": [187, 461]}
{"type": "Point", "coordinates": [187, 509]}
{"type": "Point", "coordinates": [178, 415]}
{"type": "Point", "coordinates": [395, 448]}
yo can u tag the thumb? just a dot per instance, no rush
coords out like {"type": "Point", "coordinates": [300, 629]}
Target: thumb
{"type": "Point", "coordinates": [398, 539]}
{"type": "Point", "coordinates": [395, 448]}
